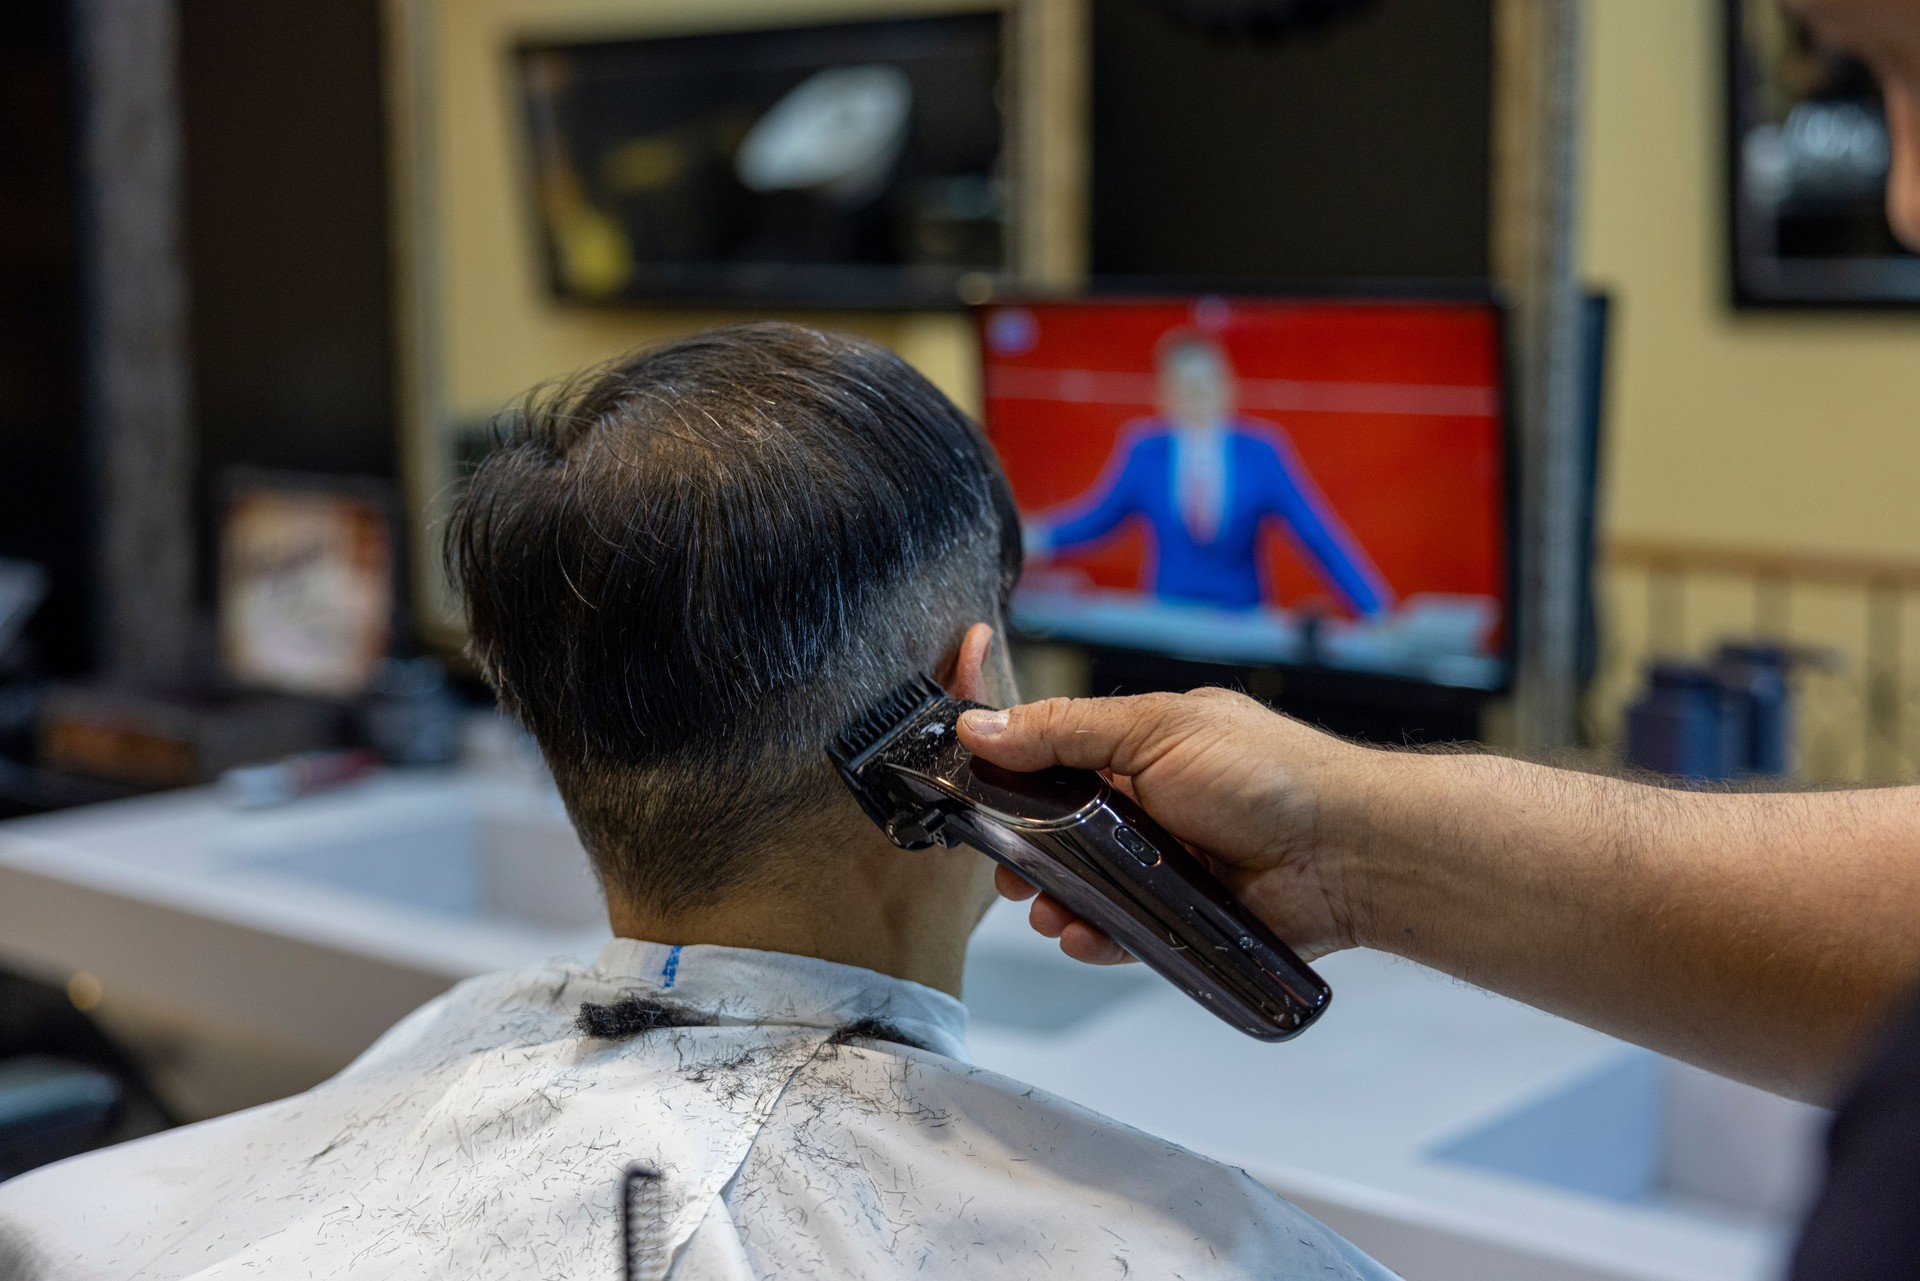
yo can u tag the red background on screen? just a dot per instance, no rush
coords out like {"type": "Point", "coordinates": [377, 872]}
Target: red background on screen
{"type": "Point", "coordinates": [1423, 493]}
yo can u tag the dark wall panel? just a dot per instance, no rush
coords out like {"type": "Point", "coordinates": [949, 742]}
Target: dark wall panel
{"type": "Point", "coordinates": [45, 507]}
{"type": "Point", "coordinates": [1358, 147]}
{"type": "Point", "coordinates": [287, 234]}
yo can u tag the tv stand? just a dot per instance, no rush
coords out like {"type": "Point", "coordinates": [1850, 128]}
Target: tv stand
{"type": "Point", "coordinates": [1373, 709]}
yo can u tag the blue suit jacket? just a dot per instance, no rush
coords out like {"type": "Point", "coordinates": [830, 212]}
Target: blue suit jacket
{"type": "Point", "coordinates": [1264, 478]}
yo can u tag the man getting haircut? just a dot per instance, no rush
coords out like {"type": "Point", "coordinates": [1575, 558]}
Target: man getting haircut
{"type": "Point", "coordinates": [684, 571]}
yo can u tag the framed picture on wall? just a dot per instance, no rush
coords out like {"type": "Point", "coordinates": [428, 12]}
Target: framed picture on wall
{"type": "Point", "coordinates": [307, 582]}
{"type": "Point", "coordinates": [845, 163]}
{"type": "Point", "coordinates": [1807, 159]}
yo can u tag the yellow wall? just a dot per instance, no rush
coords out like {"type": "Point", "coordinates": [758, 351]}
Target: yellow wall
{"type": "Point", "coordinates": [1785, 430]}
{"type": "Point", "coordinates": [1796, 430]}
{"type": "Point", "coordinates": [501, 331]}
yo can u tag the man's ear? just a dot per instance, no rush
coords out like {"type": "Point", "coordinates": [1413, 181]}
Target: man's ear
{"type": "Point", "coordinates": [964, 676]}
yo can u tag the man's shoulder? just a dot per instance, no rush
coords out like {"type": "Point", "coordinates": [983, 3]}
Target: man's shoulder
{"type": "Point", "coordinates": [88, 1214]}
{"type": "Point", "coordinates": [1023, 1114]}
{"type": "Point", "coordinates": [1040, 1177]}
{"type": "Point", "coordinates": [489, 1011]}
{"type": "Point", "coordinates": [177, 1174]}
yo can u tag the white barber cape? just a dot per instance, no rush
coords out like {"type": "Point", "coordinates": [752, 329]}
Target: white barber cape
{"type": "Point", "coordinates": [783, 1116]}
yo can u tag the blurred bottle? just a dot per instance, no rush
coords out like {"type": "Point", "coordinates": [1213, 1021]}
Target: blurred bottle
{"type": "Point", "coordinates": [251, 787]}
{"type": "Point", "coordinates": [1686, 724]}
{"type": "Point", "coordinates": [410, 717]}
{"type": "Point", "coordinates": [1731, 717]}
{"type": "Point", "coordinates": [1756, 672]}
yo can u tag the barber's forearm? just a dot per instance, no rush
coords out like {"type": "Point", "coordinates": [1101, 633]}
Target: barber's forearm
{"type": "Point", "coordinates": [1765, 936]}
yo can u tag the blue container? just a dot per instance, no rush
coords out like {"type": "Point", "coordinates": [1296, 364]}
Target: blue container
{"type": "Point", "coordinates": [1687, 724]}
{"type": "Point", "coordinates": [1756, 673]}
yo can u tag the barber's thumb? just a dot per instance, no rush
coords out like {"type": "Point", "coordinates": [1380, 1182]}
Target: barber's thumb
{"type": "Point", "coordinates": [1027, 737]}
{"type": "Point", "coordinates": [984, 723]}
{"type": "Point", "coordinates": [1006, 738]}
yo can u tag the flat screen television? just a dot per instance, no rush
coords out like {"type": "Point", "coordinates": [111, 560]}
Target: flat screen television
{"type": "Point", "coordinates": [1302, 483]}
{"type": "Point", "coordinates": [849, 163]}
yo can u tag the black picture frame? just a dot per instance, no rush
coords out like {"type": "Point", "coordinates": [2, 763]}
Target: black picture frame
{"type": "Point", "coordinates": [646, 135]}
{"type": "Point", "coordinates": [361, 511]}
{"type": "Point", "coordinates": [1806, 156]}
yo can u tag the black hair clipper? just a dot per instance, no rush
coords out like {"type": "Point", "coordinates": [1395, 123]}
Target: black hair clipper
{"type": "Point", "coordinates": [1070, 833]}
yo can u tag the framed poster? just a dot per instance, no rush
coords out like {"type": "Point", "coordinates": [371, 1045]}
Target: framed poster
{"type": "Point", "coordinates": [1807, 161]}
{"type": "Point", "coordinates": [846, 163]}
{"type": "Point", "coordinates": [307, 583]}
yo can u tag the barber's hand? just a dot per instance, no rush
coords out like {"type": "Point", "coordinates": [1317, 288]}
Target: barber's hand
{"type": "Point", "coordinates": [1273, 807]}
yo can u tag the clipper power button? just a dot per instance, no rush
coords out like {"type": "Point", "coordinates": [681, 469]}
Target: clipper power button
{"type": "Point", "coordinates": [1137, 845]}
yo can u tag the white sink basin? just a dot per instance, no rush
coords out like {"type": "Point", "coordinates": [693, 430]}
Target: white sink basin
{"type": "Point", "coordinates": [1643, 1130]}
{"type": "Point", "coordinates": [1455, 1135]}
{"type": "Point", "coordinates": [498, 868]}
{"type": "Point", "coordinates": [316, 924]}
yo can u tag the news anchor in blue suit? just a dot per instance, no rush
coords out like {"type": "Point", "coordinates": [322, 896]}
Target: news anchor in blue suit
{"type": "Point", "coordinates": [1206, 481]}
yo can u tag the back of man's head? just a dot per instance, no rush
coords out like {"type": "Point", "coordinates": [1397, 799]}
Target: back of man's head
{"type": "Point", "coordinates": [686, 569]}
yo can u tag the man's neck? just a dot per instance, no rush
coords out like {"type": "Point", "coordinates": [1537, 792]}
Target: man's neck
{"type": "Point", "coordinates": [903, 914]}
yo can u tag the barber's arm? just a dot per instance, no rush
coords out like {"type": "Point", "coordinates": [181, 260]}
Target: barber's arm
{"type": "Point", "coordinates": [1765, 936]}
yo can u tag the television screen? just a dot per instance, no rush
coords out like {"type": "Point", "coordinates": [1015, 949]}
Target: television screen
{"type": "Point", "coordinates": [1303, 483]}
{"type": "Point", "coordinates": [856, 162]}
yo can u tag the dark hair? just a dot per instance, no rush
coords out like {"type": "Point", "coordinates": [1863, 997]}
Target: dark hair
{"type": "Point", "coordinates": [686, 569]}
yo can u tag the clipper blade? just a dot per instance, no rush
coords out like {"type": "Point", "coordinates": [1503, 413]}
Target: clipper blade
{"type": "Point", "coordinates": [867, 735]}
{"type": "Point", "coordinates": [868, 732]}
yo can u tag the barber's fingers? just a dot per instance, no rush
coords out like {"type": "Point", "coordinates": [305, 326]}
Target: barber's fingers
{"type": "Point", "coordinates": [1012, 885]}
{"type": "Point", "coordinates": [1085, 944]}
{"type": "Point", "coordinates": [1081, 941]}
{"type": "Point", "coordinates": [1049, 917]}
{"type": "Point", "coordinates": [1124, 735]}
